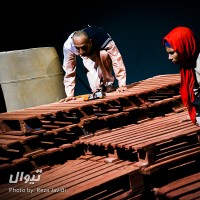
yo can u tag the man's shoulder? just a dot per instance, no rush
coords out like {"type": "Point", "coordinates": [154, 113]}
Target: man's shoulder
{"type": "Point", "coordinates": [94, 30]}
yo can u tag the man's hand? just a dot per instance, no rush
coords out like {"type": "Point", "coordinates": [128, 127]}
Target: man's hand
{"type": "Point", "coordinates": [67, 99]}
{"type": "Point", "coordinates": [122, 89]}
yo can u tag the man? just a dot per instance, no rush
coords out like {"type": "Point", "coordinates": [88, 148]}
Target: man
{"type": "Point", "coordinates": [100, 56]}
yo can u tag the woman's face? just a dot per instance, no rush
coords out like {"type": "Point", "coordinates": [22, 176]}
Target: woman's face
{"type": "Point", "coordinates": [172, 55]}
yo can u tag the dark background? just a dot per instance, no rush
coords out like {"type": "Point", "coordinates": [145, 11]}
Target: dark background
{"type": "Point", "coordinates": [136, 26]}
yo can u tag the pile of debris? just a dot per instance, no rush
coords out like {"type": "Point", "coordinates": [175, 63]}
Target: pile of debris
{"type": "Point", "coordinates": [115, 147]}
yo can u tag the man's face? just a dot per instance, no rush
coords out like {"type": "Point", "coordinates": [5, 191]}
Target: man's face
{"type": "Point", "coordinates": [172, 55]}
{"type": "Point", "coordinates": [83, 45]}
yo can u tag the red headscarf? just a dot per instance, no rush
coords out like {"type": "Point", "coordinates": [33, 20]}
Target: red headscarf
{"type": "Point", "coordinates": [186, 45]}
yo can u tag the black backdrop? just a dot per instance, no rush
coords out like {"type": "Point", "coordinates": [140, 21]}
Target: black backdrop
{"type": "Point", "coordinates": [137, 27]}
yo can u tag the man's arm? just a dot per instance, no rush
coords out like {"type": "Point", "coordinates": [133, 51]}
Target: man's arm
{"type": "Point", "coordinates": [69, 67]}
{"type": "Point", "coordinates": [118, 64]}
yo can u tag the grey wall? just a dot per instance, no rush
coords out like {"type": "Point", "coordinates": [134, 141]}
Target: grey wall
{"type": "Point", "coordinates": [137, 27]}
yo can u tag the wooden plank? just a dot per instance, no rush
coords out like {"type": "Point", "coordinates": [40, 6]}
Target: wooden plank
{"type": "Point", "coordinates": [178, 184]}
{"type": "Point", "coordinates": [170, 136]}
{"type": "Point", "coordinates": [184, 190]}
{"type": "Point", "coordinates": [13, 132]}
{"type": "Point", "coordinates": [6, 142]}
{"type": "Point", "coordinates": [134, 131]}
{"type": "Point", "coordinates": [17, 116]}
{"type": "Point", "coordinates": [195, 195]}
{"type": "Point", "coordinates": [190, 153]}
{"type": "Point", "coordinates": [97, 181]}
{"type": "Point", "coordinates": [127, 136]}
{"type": "Point", "coordinates": [20, 160]}
{"type": "Point", "coordinates": [19, 138]}
{"type": "Point", "coordinates": [32, 153]}
{"type": "Point", "coordinates": [68, 177]}
{"type": "Point", "coordinates": [4, 160]}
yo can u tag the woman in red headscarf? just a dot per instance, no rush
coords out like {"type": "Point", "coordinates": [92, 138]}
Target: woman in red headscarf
{"type": "Point", "coordinates": [183, 49]}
